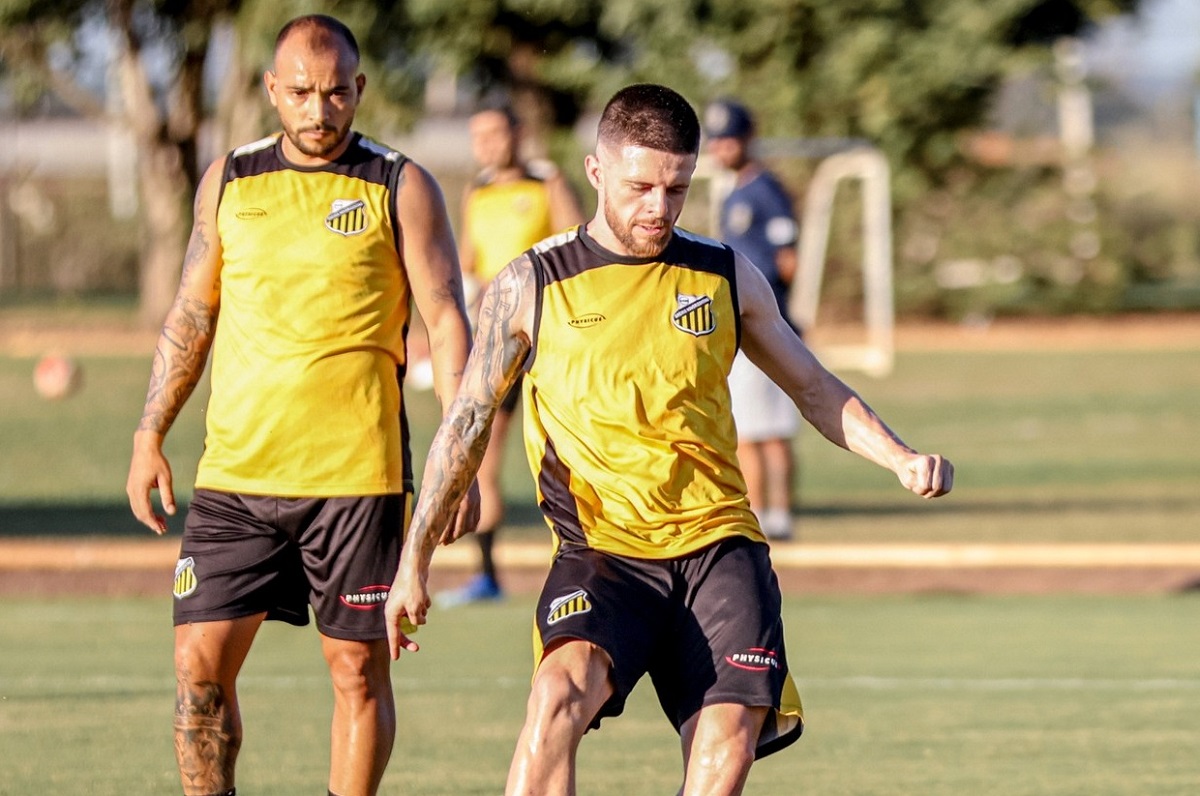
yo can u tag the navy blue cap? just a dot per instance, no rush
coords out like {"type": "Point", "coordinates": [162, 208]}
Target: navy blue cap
{"type": "Point", "coordinates": [727, 119]}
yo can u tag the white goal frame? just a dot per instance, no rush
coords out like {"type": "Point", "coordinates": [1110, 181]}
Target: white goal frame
{"type": "Point", "coordinates": [840, 160]}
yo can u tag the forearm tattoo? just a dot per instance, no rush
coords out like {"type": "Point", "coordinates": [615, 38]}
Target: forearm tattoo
{"type": "Point", "coordinates": [458, 447]}
{"type": "Point", "coordinates": [454, 458]}
{"type": "Point", "coordinates": [207, 736]}
{"type": "Point", "coordinates": [178, 362]}
{"type": "Point", "coordinates": [182, 346]}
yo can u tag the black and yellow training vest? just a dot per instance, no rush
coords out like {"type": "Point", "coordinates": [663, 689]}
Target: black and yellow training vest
{"type": "Point", "coordinates": [627, 421]}
{"type": "Point", "coordinates": [309, 353]}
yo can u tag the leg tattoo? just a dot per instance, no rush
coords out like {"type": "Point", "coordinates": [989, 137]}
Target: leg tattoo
{"type": "Point", "coordinates": [207, 737]}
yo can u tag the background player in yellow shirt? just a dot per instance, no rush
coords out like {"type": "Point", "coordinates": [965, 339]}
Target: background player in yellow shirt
{"type": "Point", "coordinates": [627, 328]}
{"type": "Point", "coordinates": [510, 205]}
{"type": "Point", "coordinates": [305, 251]}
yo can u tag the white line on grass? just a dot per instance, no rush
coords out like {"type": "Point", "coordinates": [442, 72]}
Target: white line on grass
{"type": "Point", "coordinates": [1004, 683]}
{"type": "Point", "coordinates": [50, 685]}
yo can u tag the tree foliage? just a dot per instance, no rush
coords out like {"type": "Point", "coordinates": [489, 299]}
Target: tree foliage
{"type": "Point", "coordinates": [908, 75]}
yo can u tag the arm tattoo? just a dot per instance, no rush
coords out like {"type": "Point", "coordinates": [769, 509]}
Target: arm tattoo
{"type": "Point", "coordinates": [454, 458]}
{"type": "Point", "coordinates": [207, 735]}
{"type": "Point", "coordinates": [458, 447]}
{"type": "Point", "coordinates": [182, 347]}
{"type": "Point", "coordinates": [502, 347]}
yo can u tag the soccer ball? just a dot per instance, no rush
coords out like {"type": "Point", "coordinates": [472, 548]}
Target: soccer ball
{"type": "Point", "coordinates": [56, 376]}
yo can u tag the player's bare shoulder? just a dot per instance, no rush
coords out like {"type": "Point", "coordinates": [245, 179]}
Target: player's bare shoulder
{"type": "Point", "coordinates": [510, 298]}
{"type": "Point", "coordinates": [754, 293]}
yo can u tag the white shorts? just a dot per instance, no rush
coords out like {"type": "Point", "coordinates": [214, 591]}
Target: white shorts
{"type": "Point", "coordinates": [761, 409]}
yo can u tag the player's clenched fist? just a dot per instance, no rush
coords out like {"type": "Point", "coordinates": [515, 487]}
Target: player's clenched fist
{"type": "Point", "coordinates": [927, 475]}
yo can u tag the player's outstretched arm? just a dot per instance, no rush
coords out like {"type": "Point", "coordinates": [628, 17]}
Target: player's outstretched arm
{"type": "Point", "coordinates": [501, 345]}
{"type": "Point", "coordinates": [826, 401]}
{"type": "Point", "coordinates": [179, 357]}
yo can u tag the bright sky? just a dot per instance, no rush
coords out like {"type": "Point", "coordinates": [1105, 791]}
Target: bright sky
{"type": "Point", "coordinates": [1158, 50]}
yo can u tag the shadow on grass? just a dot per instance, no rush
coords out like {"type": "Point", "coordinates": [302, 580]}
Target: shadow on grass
{"type": "Point", "coordinates": [524, 520]}
{"type": "Point", "coordinates": [75, 519]}
{"type": "Point", "coordinates": [50, 520]}
{"type": "Point", "coordinates": [1040, 505]}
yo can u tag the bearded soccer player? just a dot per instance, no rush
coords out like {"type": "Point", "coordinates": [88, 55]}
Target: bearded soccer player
{"type": "Point", "coordinates": [626, 329]}
{"type": "Point", "coordinates": [305, 251]}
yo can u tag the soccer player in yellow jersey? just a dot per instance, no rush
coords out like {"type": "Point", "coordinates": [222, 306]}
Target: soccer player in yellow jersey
{"type": "Point", "coordinates": [510, 205]}
{"type": "Point", "coordinates": [626, 329]}
{"type": "Point", "coordinates": [306, 249]}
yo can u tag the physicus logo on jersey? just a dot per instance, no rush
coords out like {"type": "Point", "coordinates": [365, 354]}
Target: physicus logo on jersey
{"type": "Point", "coordinates": [577, 602]}
{"type": "Point", "coordinates": [347, 217]}
{"type": "Point", "coordinates": [586, 320]}
{"type": "Point", "coordinates": [755, 659]}
{"type": "Point", "coordinates": [251, 213]}
{"type": "Point", "coordinates": [694, 315]}
{"type": "Point", "coordinates": [366, 598]}
{"type": "Point", "coordinates": [185, 578]}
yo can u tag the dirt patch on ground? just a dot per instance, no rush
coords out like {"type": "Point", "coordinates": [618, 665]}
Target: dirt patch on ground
{"type": "Point", "coordinates": [61, 567]}
{"type": "Point", "coordinates": [32, 336]}
{"type": "Point", "coordinates": [825, 580]}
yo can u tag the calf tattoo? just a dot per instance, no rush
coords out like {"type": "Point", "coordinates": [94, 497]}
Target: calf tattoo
{"type": "Point", "coordinates": [207, 736]}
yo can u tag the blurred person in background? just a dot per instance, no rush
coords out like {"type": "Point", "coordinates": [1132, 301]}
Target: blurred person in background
{"type": "Point", "coordinates": [511, 204]}
{"type": "Point", "coordinates": [306, 249]}
{"type": "Point", "coordinates": [757, 220]}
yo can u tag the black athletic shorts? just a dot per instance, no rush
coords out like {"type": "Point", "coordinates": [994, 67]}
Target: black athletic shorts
{"type": "Point", "coordinates": [246, 554]}
{"type": "Point", "coordinates": [706, 627]}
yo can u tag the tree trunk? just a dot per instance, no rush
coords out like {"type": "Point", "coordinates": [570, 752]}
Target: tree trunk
{"type": "Point", "coordinates": [166, 146]}
{"type": "Point", "coordinates": [166, 223]}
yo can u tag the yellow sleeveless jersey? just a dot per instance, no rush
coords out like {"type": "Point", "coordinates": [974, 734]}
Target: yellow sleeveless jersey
{"type": "Point", "coordinates": [506, 218]}
{"type": "Point", "coordinates": [627, 421]}
{"type": "Point", "coordinates": [309, 353]}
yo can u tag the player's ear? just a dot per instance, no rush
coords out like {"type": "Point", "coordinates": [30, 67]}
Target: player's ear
{"type": "Point", "coordinates": [270, 81]}
{"type": "Point", "coordinates": [360, 81]}
{"type": "Point", "coordinates": [591, 167]}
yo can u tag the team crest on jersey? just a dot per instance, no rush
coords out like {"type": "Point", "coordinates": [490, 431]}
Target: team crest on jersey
{"type": "Point", "coordinates": [574, 603]}
{"type": "Point", "coordinates": [347, 217]}
{"type": "Point", "coordinates": [694, 315]}
{"type": "Point", "coordinates": [185, 578]}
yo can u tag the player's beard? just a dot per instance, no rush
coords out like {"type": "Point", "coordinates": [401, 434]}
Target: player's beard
{"type": "Point", "coordinates": [317, 150]}
{"type": "Point", "coordinates": [635, 246]}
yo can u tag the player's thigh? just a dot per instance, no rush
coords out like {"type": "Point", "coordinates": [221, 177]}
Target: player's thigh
{"type": "Point", "coordinates": [214, 651]}
{"type": "Point", "coordinates": [727, 640]}
{"type": "Point", "coordinates": [618, 605]}
{"type": "Point", "coordinates": [234, 562]}
{"type": "Point", "coordinates": [350, 551]}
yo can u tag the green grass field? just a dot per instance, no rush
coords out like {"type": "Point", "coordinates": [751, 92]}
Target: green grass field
{"type": "Point", "coordinates": [1049, 446]}
{"type": "Point", "coordinates": [935, 695]}
{"type": "Point", "coordinates": [946, 695]}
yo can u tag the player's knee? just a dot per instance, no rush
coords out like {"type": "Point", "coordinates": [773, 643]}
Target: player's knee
{"type": "Point", "coordinates": [197, 659]}
{"type": "Point", "coordinates": [357, 671]}
{"type": "Point", "coordinates": [569, 689]}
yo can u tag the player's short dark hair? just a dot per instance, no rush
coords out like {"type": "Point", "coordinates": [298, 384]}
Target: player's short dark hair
{"type": "Point", "coordinates": [327, 25]}
{"type": "Point", "coordinates": [651, 116]}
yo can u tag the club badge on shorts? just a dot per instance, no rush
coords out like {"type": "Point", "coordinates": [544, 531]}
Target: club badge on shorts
{"type": "Point", "coordinates": [185, 578]}
{"type": "Point", "coordinates": [576, 602]}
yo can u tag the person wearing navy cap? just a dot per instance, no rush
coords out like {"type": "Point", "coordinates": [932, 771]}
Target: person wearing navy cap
{"type": "Point", "coordinates": [757, 219]}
